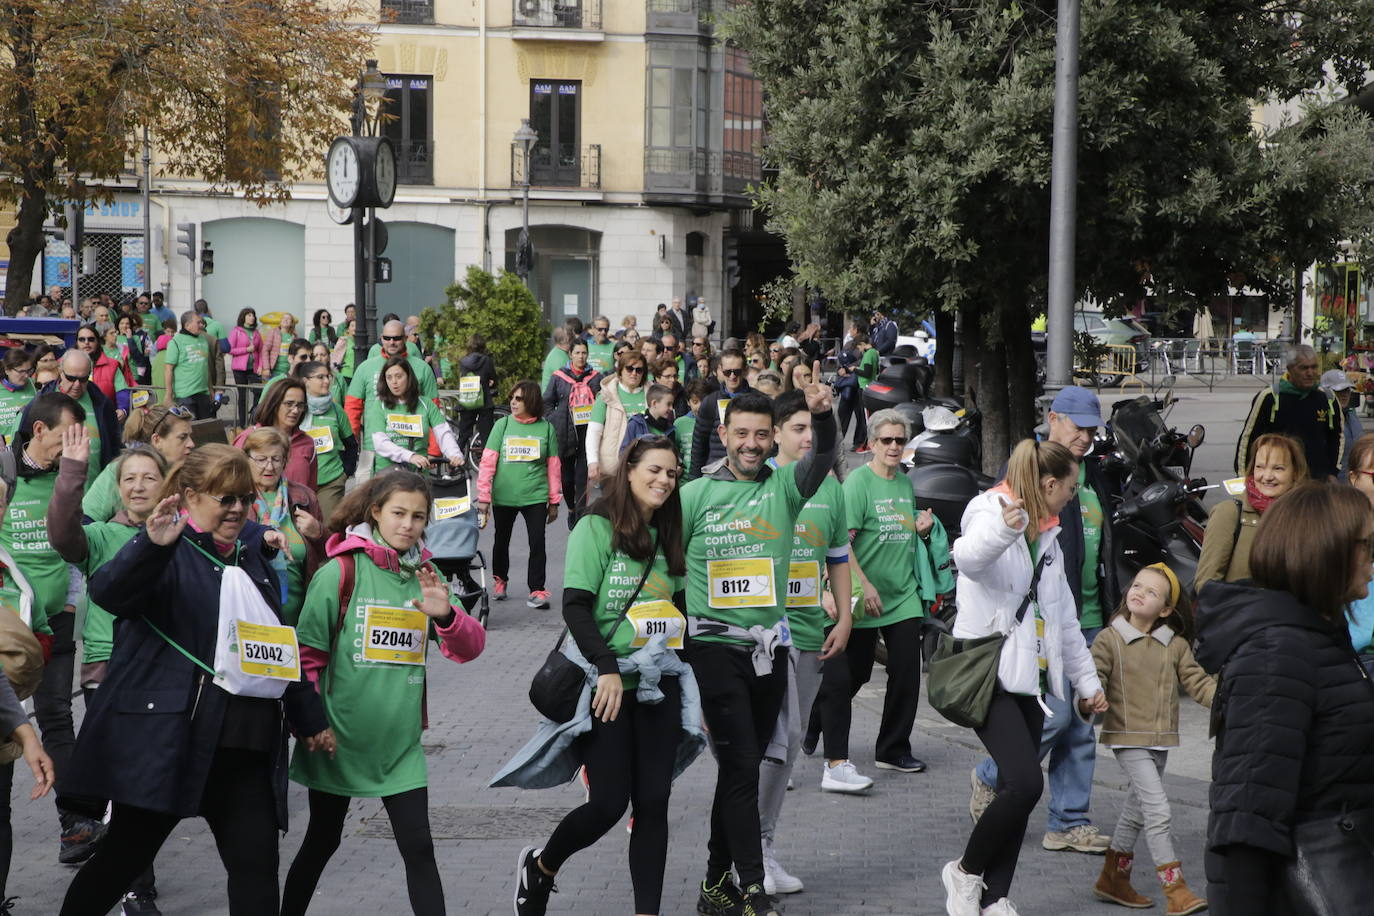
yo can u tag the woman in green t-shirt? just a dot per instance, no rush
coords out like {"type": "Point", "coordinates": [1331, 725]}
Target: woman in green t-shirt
{"type": "Point", "coordinates": [16, 390]}
{"type": "Point", "coordinates": [336, 448]}
{"type": "Point", "coordinates": [289, 507]}
{"type": "Point", "coordinates": [286, 332]}
{"type": "Point", "coordinates": [397, 425]}
{"type": "Point", "coordinates": [321, 353]}
{"type": "Point", "coordinates": [166, 429]}
{"type": "Point", "coordinates": [373, 684]}
{"type": "Point", "coordinates": [521, 475]}
{"type": "Point", "coordinates": [885, 533]}
{"type": "Point", "coordinates": [630, 752]}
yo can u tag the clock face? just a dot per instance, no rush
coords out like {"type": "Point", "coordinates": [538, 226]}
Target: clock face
{"type": "Point", "coordinates": [342, 172]}
{"type": "Point", "coordinates": [341, 215]}
{"type": "Point", "coordinates": [385, 173]}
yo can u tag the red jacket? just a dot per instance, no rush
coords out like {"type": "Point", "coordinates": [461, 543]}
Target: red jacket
{"type": "Point", "coordinates": [103, 374]}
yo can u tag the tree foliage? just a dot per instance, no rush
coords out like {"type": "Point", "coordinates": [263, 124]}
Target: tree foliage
{"type": "Point", "coordinates": [244, 94]}
{"type": "Point", "coordinates": [912, 142]}
{"type": "Point", "coordinates": [501, 309]}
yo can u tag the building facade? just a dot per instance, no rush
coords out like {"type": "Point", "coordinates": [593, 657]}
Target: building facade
{"type": "Point", "coordinates": [648, 136]}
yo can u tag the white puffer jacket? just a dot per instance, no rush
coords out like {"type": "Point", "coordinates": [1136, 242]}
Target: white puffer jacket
{"type": "Point", "coordinates": [994, 575]}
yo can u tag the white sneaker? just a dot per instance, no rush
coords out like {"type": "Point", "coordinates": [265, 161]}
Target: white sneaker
{"type": "Point", "coordinates": [1001, 907]}
{"type": "Point", "coordinates": [962, 891]}
{"type": "Point", "coordinates": [776, 880]}
{"type": "Point", "coordinates": [843, 777]}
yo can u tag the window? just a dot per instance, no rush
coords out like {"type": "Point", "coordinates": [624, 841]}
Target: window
{"type": "Point", "coordinates": [743, 108]}
{"type": "Point", "coordinates": [555, 109]}
{"type": "Point", "coordinates": [412, 12]}
{"type": "Point", "coordinates": [677, 107]}
{"type": "Point", "coordinates": [407, 126]}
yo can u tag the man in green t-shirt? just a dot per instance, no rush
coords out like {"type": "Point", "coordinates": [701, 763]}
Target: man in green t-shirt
{"type": "Point", "coordinates": [362, 391]}
{"type": "Point", "coordinates": [736, 520]}
{"type": "Point", "coordinates": [1085, 539]}
{"type": "Point", "coordinates": [558, 358]}
{"type": "Point", "coordinates": [215, 333]}
{"type": "Point", "coordinates": [601, 349]}
{"type": "Point", "coordinates": [186, 370]}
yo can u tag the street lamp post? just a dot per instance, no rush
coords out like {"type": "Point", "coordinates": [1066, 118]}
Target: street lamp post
{"type": "Point", "coordinates": [369, 92]}
{"type": "Point", "coordinates": [524, 252]}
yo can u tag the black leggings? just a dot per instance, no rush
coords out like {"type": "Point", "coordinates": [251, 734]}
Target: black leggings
{"type": "Point", "coordinates": [246, 395]}
{"type": "Point", "coordinates": [409, 814]}
{"type": "Point", "coordinates": [903, 641]}
{"type": "Point", "coordinates": [1012, 736]}
{"type": "Point", "coordinates": [741, 710]}
{"type": "Point", "coordinates": [241, 808]}
{"type": "Point", "coordinates": [833, 709]}
{"type": "Point", "coordinates": [535, 516]}
{"type": "Point", "coordinates": [629, 761]}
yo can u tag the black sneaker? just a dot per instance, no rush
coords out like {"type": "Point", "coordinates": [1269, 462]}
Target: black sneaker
{"type": "Point", "coordinates": [80, 836]}
{"type": "Point", "coordinates": [141, 904]}
{"type": "Point", "coordinates": [532, 886]}
{"type": "Point", "coordinates": [758, 902]}
{"type": "Point", "coordinates": [720, 899]}
{"type": "Point", "coordinates": [7, 906]}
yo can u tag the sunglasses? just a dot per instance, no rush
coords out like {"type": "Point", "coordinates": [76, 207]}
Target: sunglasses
{"type": "Point", "coordinates": [85, 340]}
{"type": "Point", "coordinates": [732, 372]}
{"type": "Point", "coordinates": [600, 328]}
{"type": "Point", "coordinates": [76, 378]}
{"type": "Point", "coordinates": [640, 369]}
{"type": "Point", "coordinates": [890, 440]}
{"type": "Point", "coordinates": [243, 499]}
{"type": "Point", "coordinates": [391, 337]}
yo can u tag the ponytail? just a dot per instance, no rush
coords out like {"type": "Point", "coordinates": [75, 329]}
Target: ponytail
{"type": "Point", "coordinates": [1031, 462]}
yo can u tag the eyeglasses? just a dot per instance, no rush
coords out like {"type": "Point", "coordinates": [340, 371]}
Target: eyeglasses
{"type": "Point", "coordinates": [22, 370]}
{"type": "Point", "coordinates": [243, 499]}
{"type": "Point", "coordinates": [393, 337]}
{"type": "Point", "coordinates": [890, 440]}
{"type": "Point", "coordinates": [319, 376]}
{"type": "Point", "coordinates": [293, 405]}
{"type": "Point", "coordinates": [267, 461]}
{"type": "Point", "coordinates": [76, 378]}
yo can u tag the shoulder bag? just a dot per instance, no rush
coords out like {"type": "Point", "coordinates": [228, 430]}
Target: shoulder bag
{"type": "Point", "coordinates": [963, 672]}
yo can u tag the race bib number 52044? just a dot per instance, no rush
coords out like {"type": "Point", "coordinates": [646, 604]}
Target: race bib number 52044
{"type": "Point", "coordinates": [395, 636]}
{"type": "Point", "coordinates": [741, 583]}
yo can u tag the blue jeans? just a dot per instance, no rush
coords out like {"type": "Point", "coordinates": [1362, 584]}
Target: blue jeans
{"type": "Point", "coordinates": [1070, 743]}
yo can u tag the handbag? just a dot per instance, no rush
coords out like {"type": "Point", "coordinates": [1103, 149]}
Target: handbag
{"type": "Point", "coordinates": [557, 685]}
{"type": "Point", "coordinates": [963, 672]}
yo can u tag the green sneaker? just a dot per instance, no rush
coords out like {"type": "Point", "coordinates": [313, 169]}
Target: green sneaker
{"type": "Point", "coordinates": [758, 902]}
{"type": "Point", "coordinates": [720, 899]}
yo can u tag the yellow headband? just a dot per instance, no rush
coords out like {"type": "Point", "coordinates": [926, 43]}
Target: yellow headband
{"type": "Point", "coordinates": [1174, 587]}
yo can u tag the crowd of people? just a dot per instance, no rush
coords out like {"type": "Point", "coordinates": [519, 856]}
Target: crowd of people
{"type": "Point", "coordinates": [261, 612]}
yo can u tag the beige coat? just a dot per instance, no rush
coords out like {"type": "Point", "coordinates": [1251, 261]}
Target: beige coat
{"type": "Point", "coordinates": [1140, 673]}
{"type": "Point", "coordinates": [1219, 559]}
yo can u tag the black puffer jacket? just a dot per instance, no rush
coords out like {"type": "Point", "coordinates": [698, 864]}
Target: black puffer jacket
{"type": "Point", "coordinates": [1296, 735]}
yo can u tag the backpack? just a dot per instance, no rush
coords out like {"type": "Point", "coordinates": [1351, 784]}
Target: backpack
{"type": "Point", "coordinates": [580, 396]}
{"type": "Point", "coordinates": [470, 396]}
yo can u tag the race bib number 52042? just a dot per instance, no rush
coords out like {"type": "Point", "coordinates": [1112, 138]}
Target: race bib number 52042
{"type": "Point", "coordinates": [741, 583]}
{"type": "Point", "coordinates": [268, 651]}
{"type": "Point", "coordinates": [394, 636]}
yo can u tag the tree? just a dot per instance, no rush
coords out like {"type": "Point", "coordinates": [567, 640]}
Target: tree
{"type": "Point", "coordinates": [244, 94]}
{"type": "Point", "coordinates": [912, 147]}
{"type": "Point", "coordinates": [504, 312]}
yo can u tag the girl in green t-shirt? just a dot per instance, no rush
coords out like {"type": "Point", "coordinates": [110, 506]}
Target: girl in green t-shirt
{"type": "Point", "coordinates": [336, 448]}
{"type": "Point", "coordinates": [321, 353]}
{"type": "Point", "coordinates": [398, 423]}
{"type": "Point", "coordinates": [16, 390]}
{"type": "Point", "coordinates": [287, 329]}
{"type": "Point", "coordinates": [630, 752]}
{"type": "Point", "coordinates": [369, 666]}
{"type": "Point", "coordinates": [521, 475]}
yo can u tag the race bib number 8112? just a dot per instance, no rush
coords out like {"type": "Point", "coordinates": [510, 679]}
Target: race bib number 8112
{"type": "Point", "coordinates": [741, 583]}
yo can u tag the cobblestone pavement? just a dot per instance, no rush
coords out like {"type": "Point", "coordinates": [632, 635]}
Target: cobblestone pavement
{"type": "Point", "coordinates": [879, 853]}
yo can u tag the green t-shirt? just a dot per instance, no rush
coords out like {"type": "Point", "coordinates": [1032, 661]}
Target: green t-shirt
{"type": "Point", "coordinates": [283, 361]}
{"type": "Point", "coordinates": [883, 514]}
{"type": "Point", "coordinates": [612, 576]}
{"type": "Point", "coordinates": [373, 706]}
{"type": "Point", "coordinates": [329, 430]}
{"type": "Point", "coordinates": [295, 563]}
{"type": "Point", "coordinates": [868, 370]}
{"type": "Point", "coordinates": [557, 359]}
{"type": "Point", "coordinates": [600, 356]}
{"type": "Point", "coordinates": [189, 355]}
{"type": "Point", "coordinates": [25, 536]}
{"type": "Point", "coordinates": [214, 328]}
{"type": "Point", "coordinates": [737, 551]}
{"type": "Point", "coordinates": [101, 501]}
{"type": "Point", "coordinates": [1091, 615]}
{"type": "Point", "coordinates": [12, 404]}
{"type": "Point", "coordinates": [406, 425]}
{"type": "Point", "coordinates": [819, 537]}
{"type": "Point", "coordinates": [364, 384]}
{"type": "Point", "coordinates": [523, 451]}
{"type": "Point", "coordinates": [683, 429]}
{"type": "Point", "coordinates": [633, 401]}
{"type": "Point", "coordinates": [92, 425]}
{"type": "Point", "coordinates": [116, 354]}
{"type": "Point", "coordinates": [103, 541]}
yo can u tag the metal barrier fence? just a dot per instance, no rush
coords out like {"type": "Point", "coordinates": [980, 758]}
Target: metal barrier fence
{"type": "Point", "coordinates": [1212, 360]}
{"type": "Point", "coordinates": [1116, 368]}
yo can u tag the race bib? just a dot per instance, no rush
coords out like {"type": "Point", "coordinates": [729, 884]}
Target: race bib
{"type": "Point", "coordinates": [470, 385]}
{"type": "Point", "coordinates": [1040, 643]}
{"type": "Point", "coordinates": [804, 584]}
{"type": "Point", "coordinates": [741, 583]}
{"type": "Point", "coordinates": [405, 424]}
{"type": "Point", "coordinates": [721, 404]}
{"type": "Point", "coordinates": [582, 415]}
{"type": "Point", "coordinates": [451, 507]}
{"type": "Point", "coordinates": [394, 636]}
{"type": "Point", "coordinates": [139, 398]}
{"type": "Point", "coordinates": [517, 448]}
{"type": "Point", "coordinates": [324, 439]}
{"type": "Point", "coordinates": [268, 651]}
{"type": "Point", "coordinates": [1235, 486]}
{"type": "Point", "coordinates": [652, 618]}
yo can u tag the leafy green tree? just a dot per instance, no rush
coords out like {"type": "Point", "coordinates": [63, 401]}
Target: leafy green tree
{"type": "Point", "coordinates": [912, 142]}
{"type": "Point", "coordinates": [503, 310]}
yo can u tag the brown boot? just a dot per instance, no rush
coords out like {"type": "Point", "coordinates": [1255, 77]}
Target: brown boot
{"type": "Point", "coordinates": [1114, 884]}
{"type": "Point", "coordinates": [1180, 899]}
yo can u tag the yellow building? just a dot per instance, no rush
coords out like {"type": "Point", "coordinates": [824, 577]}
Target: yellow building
{"type": "Point", "coordinates": [648, 131]}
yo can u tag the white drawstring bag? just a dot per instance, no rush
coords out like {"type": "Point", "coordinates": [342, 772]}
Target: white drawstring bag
{"type": "Point", "coordinates": [255, 654]}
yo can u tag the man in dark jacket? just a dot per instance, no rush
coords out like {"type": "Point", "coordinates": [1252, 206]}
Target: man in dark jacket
{"type": "Point", "coordinates": [883, 333]}
{"type": "Point", "coordinates": [707, 446]}
{"type": "Point", "coordinates": [477, 362]}
{"type": "Point", "coordinates": [1298, 406]}
{"type": "Point", "coordinates": [1086, 543]}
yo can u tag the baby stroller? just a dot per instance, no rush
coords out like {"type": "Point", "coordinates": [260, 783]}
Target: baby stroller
{"type": "Point", "coordinates": [451, 536]}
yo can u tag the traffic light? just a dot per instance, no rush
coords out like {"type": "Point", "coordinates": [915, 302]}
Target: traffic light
{"type": "Point", "coordinates": [207, 259]}
{"type": "Point", "coordinates": [382, 274]}
{"type": "Point", "coordinates": [72, 234]}
{"type": "Point", "coordinates": [186, 241]}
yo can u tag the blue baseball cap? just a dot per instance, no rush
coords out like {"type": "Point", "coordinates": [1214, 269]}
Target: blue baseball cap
{"type": "Point", "coordinates": [1078, 404]}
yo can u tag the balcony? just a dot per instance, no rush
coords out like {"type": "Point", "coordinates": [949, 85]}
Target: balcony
{"type": "Point", "coordinates": [578, 20]}
{"type": "Point", "coordinates": [568, 167]}
{"type": "Point", "coordinates": [680, 16]}
{"type": "Point", "coordinates": [408, 12]}
{"type": "Point", "coordinates": [414, 161]}
{"type": "Point", "coordinates": [701, 176]}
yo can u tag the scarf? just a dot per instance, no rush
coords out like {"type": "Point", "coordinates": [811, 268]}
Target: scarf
{"type": "Point", "coordinates": [319, 404]}
{"type": "Point", "coordinates": [1287, 387]}
{"type": "Point", "coordinates": [410, 561]}
{"type": "Point", "coordinates": [1258, 501]}
{"type": "Point", "coordinates": [10, 386]}
{"type": "Point", "coordinates": [276, 515]}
